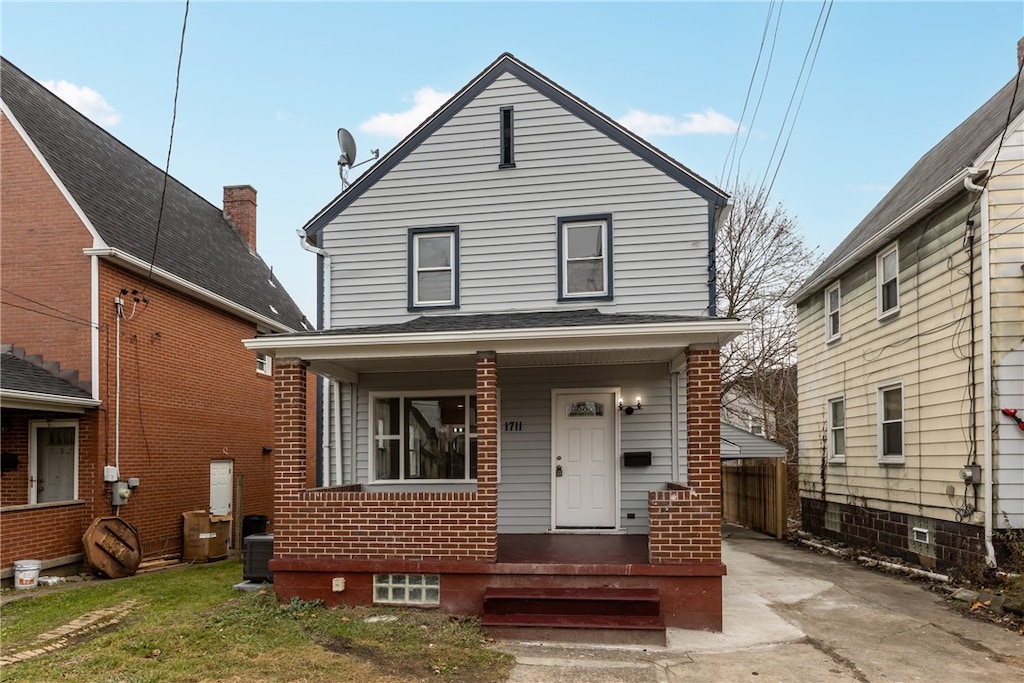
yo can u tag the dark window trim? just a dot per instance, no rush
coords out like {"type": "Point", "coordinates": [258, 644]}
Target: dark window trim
{"type": "Point", "coordinates": [507, 158]}
{"type": "Point", "coordinates": [453, 230]}
{"type": "Point", "coordinates": [609, 261]}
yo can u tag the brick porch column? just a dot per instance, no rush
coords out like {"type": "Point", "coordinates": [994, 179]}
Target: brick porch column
{"type": "Point", "coordinates": [703, 436]}
{"type": "Point", "coordinates": [289, 434]}
{"type": "Point", "coordinates": [487, 443]}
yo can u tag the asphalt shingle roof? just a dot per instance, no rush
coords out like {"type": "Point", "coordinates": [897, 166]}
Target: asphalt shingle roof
{"type": "Point", "coordinates": [17, 374]}
{"type": "Point", "coordinates": [509, 321]}
{"type": "Point", "coordinates": [119, 191]}
{"type": "Point", "coordinates": [953, 153]}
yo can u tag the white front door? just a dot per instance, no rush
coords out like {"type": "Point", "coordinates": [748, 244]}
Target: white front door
{"type": "Point", "coordinates": [583, 460]}
{"type": "Point", "coordinates": [220, 486]}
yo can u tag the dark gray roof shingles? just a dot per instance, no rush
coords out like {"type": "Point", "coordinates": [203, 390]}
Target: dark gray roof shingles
{"type": "Point", "coordinates": [17, 374]}
{"type": "Point", "coordinates": [119, 191]}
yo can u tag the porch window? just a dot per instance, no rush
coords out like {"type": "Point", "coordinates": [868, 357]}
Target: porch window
{"type": "Point", "coordinates": [585, 257]}
{"type": "Point", "coordinates": [434, 267]}
{"type": "Point", "coordinates": [890, 419]}
{"type": "Point", "coordinates": [53, 461]}
{"type": "Point", "coordinates": [424, 438]}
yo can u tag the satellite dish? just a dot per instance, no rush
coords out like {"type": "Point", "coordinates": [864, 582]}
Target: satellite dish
{"type": "Point", "coordinates": [348, 148]}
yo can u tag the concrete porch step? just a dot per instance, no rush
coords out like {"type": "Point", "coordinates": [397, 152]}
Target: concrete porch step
{"type": "Point", "coordinates": [599, 601]}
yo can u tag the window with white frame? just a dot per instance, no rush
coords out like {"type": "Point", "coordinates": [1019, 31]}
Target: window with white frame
{"type": "Point", "coordinates": [53, 461]}
{"type": "Point", "coordinates": [832, 303]}
{"type": "Point", "coordinates": [888, 279]}
{"type": "Point", "coordinates": [424, 437]}
{"type": "Point", "coordinates": [264, 365]}
{"type": "Point", "coordinates": [890, 424]}
{"type": "Point", "coordinates": [837, 429]}
{"type": "Point", "coordinates": [434, 267]}
{"type": "Point", "coordinates": [585, 257]}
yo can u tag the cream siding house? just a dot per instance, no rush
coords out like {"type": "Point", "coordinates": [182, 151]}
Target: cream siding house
{"type": "Point", "coordinates": [520, 350]}
{"type": "Point", "coordinates": [910, 342]}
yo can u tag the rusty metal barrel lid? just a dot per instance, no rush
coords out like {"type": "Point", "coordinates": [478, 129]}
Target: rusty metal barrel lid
{"type": "Point", "coordinates": [112, 547]}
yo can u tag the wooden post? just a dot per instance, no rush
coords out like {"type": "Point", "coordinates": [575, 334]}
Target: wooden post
{"type": "Point", "coordinates": [782, 497]}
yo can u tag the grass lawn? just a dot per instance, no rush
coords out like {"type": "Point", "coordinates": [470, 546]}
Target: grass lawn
{"type": "Point", "coordinates": [190, 625]}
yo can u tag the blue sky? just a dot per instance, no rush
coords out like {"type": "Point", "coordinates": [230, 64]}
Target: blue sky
{"type": "Point", "coordinates": [265, 86]}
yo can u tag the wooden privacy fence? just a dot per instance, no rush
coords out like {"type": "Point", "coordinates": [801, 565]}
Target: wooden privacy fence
{"type": "Point", "coordinates": [754, 494]}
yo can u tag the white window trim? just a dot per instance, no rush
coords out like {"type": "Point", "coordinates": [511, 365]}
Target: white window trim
{"type": "Point", "coordinates": [880, 282]}
{"type": "Point", "coordinates": [566, 224]}
{"type": "Point", "coordinates": [33, 456]}
{"type": "Point", "coordinates": [372, 434]}
{"type": "Point", "coordinates": [902, 457]}
{"type": "Point", "coordinates": [829, 335]}
{"type": "Point", "coordinates": [417, 269]}
{"type": "Point", "coordinates": [834, 457]}
{"type": "Point", "coordinates": [267, 362]}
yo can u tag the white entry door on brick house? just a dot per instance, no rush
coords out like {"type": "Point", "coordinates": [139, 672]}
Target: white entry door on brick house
{"type": "Point", "coordinates": [221, 472]}
{"type": "Point", "coordinates": [583, 460]}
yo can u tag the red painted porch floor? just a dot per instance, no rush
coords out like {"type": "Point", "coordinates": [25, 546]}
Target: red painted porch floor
{"type": "Point", "coordinates": [603, 549]}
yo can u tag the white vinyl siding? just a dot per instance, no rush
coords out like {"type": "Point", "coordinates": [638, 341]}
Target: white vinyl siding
{"type": "Point", "coordinates": [888, 280]}
{"type": "Point", "coordinates": [508, 218]}
{"type": "Point", "coordinates": [833, 303]}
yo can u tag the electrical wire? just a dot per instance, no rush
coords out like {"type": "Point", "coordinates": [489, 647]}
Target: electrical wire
{"type": "Point", "coordinates": [50, 315]}
{"type": "Point", "coordinates": [69, 317]}
{"type": "Point", "coordinates": [170, 147]}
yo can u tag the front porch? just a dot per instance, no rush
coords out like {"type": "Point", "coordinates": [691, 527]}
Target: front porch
{"type": "Point", "coordinates": [689, 593]}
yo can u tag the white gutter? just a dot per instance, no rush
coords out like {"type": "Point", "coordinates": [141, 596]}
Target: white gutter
{"type": "Point", "coordinates": [33, 400]}
{"type": "Point", "coordinates": [141, 267]}
{"type": "Point", "coordinates": [876, 241]}
{"type": "Point", "coordinates": [986, 355]}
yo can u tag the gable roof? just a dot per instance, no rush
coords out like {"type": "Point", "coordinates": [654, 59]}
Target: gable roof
{"type": "Point", "coordinates": [747, 445]}
{"type": "Point", "coordinates": [120, 192]}
{"type": "Point", "coordinates": [508, 64]}
{"type": "Point", "coordinates": [946, 161]}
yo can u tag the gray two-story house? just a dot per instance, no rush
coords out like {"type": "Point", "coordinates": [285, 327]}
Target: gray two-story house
{"type": "Point", "coordinates": [520, 358]}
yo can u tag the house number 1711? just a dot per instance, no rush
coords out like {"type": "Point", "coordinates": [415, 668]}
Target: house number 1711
{"type": "Point", "coordinates": [514, 426]}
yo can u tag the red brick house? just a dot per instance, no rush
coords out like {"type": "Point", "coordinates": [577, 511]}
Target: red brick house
{"type": "Point", "coordinates": [122, 353]}
{"type": "Point", "coordinates": [520, 353]}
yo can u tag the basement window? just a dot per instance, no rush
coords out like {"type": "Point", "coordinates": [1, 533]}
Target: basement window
{"type": "Point", "coordinates": [407, 589]}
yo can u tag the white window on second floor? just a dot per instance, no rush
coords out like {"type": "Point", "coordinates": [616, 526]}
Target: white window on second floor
{"type": "Point", "coordinates": [890, 424]}
{"type": "Point", "coordinates": [434, 267]}
{"type": "Point", "coordinates": [585, 257]}
{"type": "Point", "coordinates": [887, 276]}
{"type": "Point", "coordinates": [264, 365]}
{"type": "Point", "coordinates": [832, 303]}
{"type": "Point", "coordinates": [837, 429]}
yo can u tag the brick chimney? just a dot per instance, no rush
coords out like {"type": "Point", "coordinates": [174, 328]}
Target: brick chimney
{"type": "Point", "coordinates": [240, 211]}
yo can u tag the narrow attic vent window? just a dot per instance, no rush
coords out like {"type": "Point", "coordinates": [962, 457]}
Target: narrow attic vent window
{"type": "Point", "coordinates": [508, 159]}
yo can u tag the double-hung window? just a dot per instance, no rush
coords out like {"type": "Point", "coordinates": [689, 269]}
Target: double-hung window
{"type": "Point", "coordinates": [837, 429]}
{"type": "Point", "coordinates": [888, 281]}
{"type": "Point", "coordinates": [434, 267]}
{"type": "Point", "coordinates": [832, 303]}
{"type": "Point", "coordinates": [890, 424]}
{"type": "Point", "coordinates": [585, 257]}
{"type": "Point", "coordinates": [264, 365]}
{"type": "Point", "coordinates": [424, 437]}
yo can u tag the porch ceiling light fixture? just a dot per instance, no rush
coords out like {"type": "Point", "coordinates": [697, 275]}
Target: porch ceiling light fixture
{"type": "Point", "coordinates": [628, 410]}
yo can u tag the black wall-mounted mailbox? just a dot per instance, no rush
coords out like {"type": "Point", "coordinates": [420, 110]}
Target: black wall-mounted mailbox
{"type": "Point", "coordinates": [636, 459]}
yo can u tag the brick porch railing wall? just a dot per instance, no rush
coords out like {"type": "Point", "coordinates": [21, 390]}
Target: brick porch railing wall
{"type": "Point", "coordinates": [375, 525]}
{"type": "Point", "coordinates": [686, 519]}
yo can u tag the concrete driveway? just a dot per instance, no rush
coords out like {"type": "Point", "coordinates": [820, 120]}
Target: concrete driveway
{"type": "Point", "coordinates": [796, 615]}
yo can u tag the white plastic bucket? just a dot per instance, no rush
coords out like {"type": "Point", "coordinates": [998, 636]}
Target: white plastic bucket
{"type": "Point", "coordinates": [26, 574]}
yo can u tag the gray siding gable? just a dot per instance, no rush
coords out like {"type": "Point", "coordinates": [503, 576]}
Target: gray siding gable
{"type": "Point", "coordinates": [508, 64]}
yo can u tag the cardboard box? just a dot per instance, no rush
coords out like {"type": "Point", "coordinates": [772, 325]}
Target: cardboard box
{"type": "Point", "coordinates": [205, 536]}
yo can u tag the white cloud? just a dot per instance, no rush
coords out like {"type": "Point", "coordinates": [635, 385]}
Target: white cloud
{"type": "Point", "coordinates": [86, 100]}
{"type": "Point", "coordinates": [424, 103]}
{"type": "Point", "coordinates": [709, 121]}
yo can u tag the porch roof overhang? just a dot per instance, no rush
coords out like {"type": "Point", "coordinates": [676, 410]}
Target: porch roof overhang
{"type": "Point", "coordinates": [32, 400]}
{"type": "Point", "coordinates": [520, 340]}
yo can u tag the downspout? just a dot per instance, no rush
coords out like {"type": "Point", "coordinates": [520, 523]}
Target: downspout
{"type": "Point", "coordinates": [986, 355]}
{"type": "Point", "coordinates": [323, 319]}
